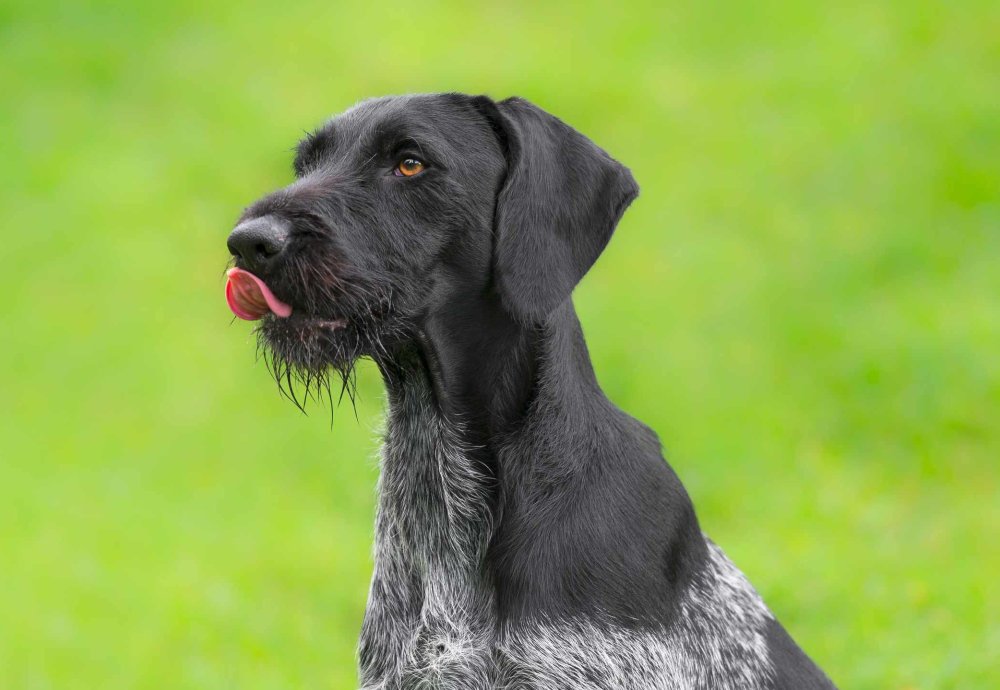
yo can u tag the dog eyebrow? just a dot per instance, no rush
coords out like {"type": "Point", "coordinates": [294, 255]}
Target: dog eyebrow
{"type": "Point", "coordinates": [408, 143]}
{"type": "Point", "coordinates": [312, 146]}
{"type": "Point", "coordinates": [394, 134]}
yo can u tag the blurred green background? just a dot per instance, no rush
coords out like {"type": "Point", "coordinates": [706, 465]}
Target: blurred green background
{"type": "Point", "coordinates": [803, 303]}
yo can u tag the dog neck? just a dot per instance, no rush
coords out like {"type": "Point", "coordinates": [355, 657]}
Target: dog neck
{"type": "Point", "coordinates": [484, 369]}
{"type": "Point", "coordinates": [455, 394]}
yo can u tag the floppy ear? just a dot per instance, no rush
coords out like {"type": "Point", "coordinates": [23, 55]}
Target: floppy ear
{"type": "Point", "coordinates": [556, 210]}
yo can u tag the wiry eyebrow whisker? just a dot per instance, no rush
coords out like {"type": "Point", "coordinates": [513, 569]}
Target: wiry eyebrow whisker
{"type": "Point", "coordinates": [312, 146]}
{"type": "Point", "coordinates": [408, 142]}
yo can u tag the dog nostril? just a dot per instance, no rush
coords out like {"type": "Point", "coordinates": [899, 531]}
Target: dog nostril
{"type": "Point", "coordinates": [258, 240]}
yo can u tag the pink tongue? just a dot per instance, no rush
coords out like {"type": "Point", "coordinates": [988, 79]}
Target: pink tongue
{"type": "Point", "coordinates": [250, 298]}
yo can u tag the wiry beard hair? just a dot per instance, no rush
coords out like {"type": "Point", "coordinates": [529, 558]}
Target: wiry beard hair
{"type": "Point", "coordinates": [339, 317]}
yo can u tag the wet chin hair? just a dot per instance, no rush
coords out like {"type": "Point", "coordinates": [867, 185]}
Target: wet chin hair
{"type": "Point", "coordinates": [307, 357]}
{"type": "Point", "coordinates": [309, 354]}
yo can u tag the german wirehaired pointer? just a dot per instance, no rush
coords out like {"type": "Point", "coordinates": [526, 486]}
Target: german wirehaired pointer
{"type": "Point", "coordinates": [529, 533]}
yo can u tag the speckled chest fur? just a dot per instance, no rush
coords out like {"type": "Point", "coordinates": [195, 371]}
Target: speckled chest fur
{"type": "Point", "coordinates": [432, 618]}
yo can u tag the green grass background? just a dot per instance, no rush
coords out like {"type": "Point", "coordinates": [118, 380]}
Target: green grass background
{"type": "Point", "coordinates": [804, 303]}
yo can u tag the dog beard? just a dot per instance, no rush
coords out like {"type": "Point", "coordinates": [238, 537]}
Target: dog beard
{"type": "Point", "coordinates": [336, 320]}
{"type": "Point", "coordinates": [307, 355]}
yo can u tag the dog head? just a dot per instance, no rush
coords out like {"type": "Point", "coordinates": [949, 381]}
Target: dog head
{"type": "Point", "coordinates": [403, 205]}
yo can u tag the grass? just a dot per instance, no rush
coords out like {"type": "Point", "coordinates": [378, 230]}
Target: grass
{"type": "Point", "coordinates": [803, 303]}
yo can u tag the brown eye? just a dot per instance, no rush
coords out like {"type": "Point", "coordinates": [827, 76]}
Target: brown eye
{"type": "Point", "coordinates": [408, 167]}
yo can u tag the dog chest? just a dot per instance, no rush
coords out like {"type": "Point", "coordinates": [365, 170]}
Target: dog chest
{"type": "Point", "coordinates": [431, 617]}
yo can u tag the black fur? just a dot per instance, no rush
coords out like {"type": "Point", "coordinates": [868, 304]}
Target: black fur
{"type": "Point", "coordinates": [459, 279]}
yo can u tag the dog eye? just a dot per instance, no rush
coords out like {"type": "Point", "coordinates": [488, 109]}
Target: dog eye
{"type": "Point", "coordinates": [408, 167]}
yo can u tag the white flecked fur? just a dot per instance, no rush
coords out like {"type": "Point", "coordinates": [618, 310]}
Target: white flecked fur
{"type": "Point", "coordinates": [716, 642]}
{"type": "Point", "coordinates": [431, 618]}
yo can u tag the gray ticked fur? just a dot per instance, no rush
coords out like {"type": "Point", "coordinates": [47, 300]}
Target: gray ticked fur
{"type": "Point", "coordinates": [431, 620]}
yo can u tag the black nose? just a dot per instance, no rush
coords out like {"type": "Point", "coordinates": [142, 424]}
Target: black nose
{"type": "Point", "coordinates": [258, 241]}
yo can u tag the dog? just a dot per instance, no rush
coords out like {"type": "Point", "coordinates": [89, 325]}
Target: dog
{"type": "Point", "coordinates": [529, 534]}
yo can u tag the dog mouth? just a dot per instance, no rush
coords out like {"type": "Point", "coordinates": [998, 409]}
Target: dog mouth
{"type": "Point", "coordinates": [250, 298]}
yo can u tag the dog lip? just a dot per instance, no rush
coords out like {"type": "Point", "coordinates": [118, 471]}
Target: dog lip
{"type": "Point", "coordinates": [249, 297]}
{"type": "Point", "coordinates": [332, 324]}
{"type": "Point", "coordinates": [303, 319]}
